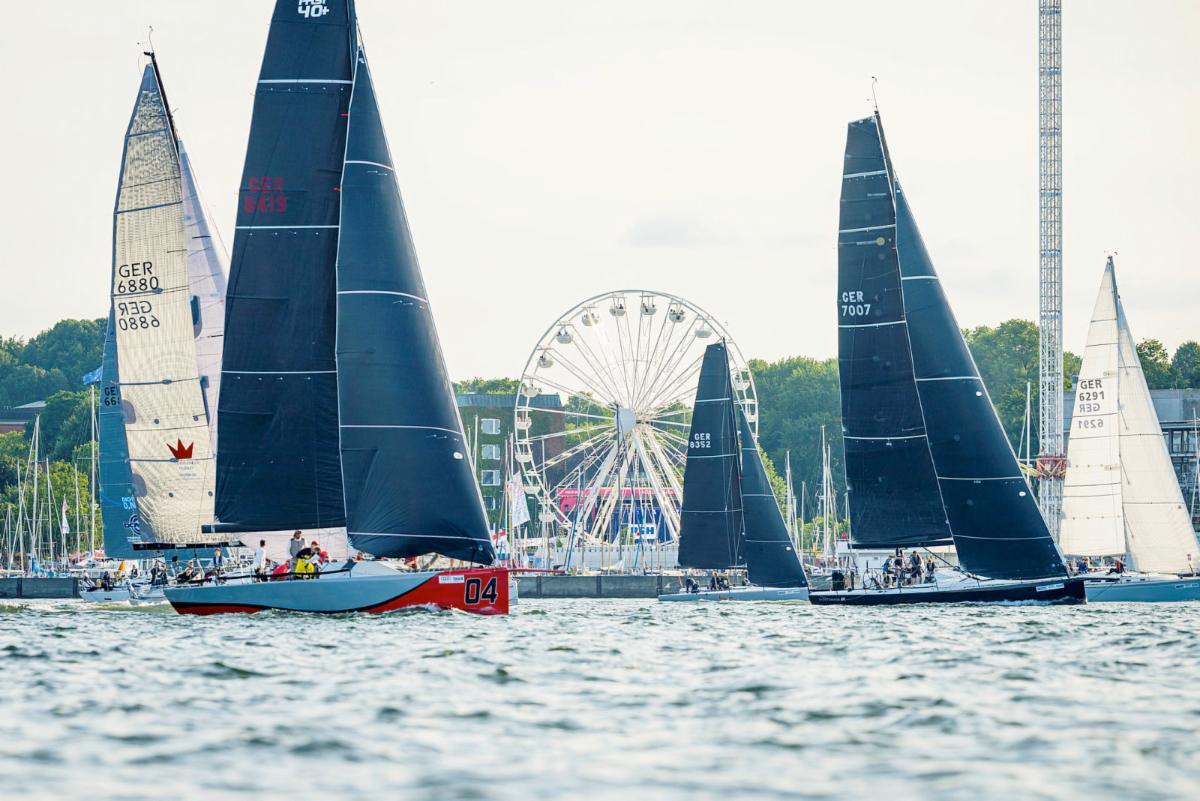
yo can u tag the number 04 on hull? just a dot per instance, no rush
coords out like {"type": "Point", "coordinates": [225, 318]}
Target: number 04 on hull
{"type": "Point", "coordinates": [365, 587]}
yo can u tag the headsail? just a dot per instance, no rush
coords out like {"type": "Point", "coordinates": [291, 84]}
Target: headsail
{"type": "Point", "coordinates": [894, 496]}
{"type": "Point", "coordinates": [998, 530]}
{"type": "Point", "coordinates": [207, 262]}
{"type": "Point", "coordinates": [166, 429]}
{"type": "Point", "coordinates": [1121, 494]}
{"type": "Point", "coordinates": [118, 503]}
{"type": "Point", "coordinates": [771, 560]}
{"type": "Point", "coordinates": [710, 529]}
{"type": "Point", "coordinates": [280, 466]}
{"type": "Point", "coordinates": [409, 485]}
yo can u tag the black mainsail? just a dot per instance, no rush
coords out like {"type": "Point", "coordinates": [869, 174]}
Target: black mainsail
{"type": "Point", "coordinates": [771, 559]}
{"type": "Point", "coordinates": [710, 528]}
{"type": "Point", "coordinates": [336, 408]}
{"type": "Point", "coordinates": [894, 497]}
{"type": "Point", "coordinates": [408, 482]}
{"type": "Point", "coordinates": [996, 527]}
{"type": "Point", "coordinates": [279, 466]}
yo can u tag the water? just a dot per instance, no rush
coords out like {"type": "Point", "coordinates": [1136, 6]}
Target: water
{"type": "Point", "coordinates": [594, 699]}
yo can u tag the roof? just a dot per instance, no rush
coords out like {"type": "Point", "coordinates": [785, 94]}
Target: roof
{"type": "Point", "coordinates": [506, 401]}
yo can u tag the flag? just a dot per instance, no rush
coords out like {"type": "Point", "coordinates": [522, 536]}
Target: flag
{"type": "Point", "coordinates": [66, 527]}
{"type": "Point", "coordinates": [518, 509]}
{"type": "Point", "coordinates": [92, 377]}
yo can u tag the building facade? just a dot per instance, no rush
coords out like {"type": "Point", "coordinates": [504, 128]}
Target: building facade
{"type": "Point", "coordinates": [488, 421]}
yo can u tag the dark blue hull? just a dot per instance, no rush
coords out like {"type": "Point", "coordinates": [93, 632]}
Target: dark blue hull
{"type": "Point", "coordinates": [1062, 591]}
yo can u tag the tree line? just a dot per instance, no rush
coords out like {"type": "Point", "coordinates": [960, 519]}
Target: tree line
{"type": "Point", "coordinates": [797, 396]}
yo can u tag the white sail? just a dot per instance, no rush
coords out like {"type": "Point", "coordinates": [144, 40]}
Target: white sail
{"type": "Point", "coordinates": [170, 453]}
{"type": "Point", "coordinates": [1122, 497]}
{"type": "Point", "coordinates": [1093, 523]}
{"type": "Point", "coordinates": [1158, 527]}
{"type": "Point", "coordinates": [207, 268]}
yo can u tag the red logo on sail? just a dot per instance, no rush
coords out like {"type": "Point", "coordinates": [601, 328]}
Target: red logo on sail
{"type": "Point", "coordinates": [180, 451]}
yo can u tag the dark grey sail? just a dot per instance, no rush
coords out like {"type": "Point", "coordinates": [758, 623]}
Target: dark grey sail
{"type": "Point", "coordinates": [894, 495]}
{"type": "Point", "coordinates": [409, 487]}
{"type": "Point", "coordinates": [116, 495]}
{"type": "Point", "coordinates": [710, 528]}
{"type": "Point", "coordinates": [771, 559]}
{"type": "Point", "coordinates": [998, 530]}
{"type": "Point", "coordinates": [279, 465]}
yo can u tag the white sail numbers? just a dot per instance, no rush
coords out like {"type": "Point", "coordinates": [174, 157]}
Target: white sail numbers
{"type": "Point", "coordinates": [853, 305]}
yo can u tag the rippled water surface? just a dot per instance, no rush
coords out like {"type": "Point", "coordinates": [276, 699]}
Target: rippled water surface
{"type": "Point", "coordinates": [603, 699]}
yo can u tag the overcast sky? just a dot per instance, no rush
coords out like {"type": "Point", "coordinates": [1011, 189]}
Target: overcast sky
{"type": "Point", "coordinates": [551, 150]}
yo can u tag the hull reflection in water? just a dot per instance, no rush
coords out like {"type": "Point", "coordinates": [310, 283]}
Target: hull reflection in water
{"type": "Point", "coordinates": [1143, 589]}
{"type": "Point", "coordinates": [1066, 591]}
{"type": "Point", "coordinates": [363, 587]}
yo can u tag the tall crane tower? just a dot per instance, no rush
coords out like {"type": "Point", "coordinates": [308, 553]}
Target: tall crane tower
{"type": "Point", "coordinates": [1051, 464]}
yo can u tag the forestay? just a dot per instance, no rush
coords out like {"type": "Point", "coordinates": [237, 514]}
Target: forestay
{"type": "Point", "coordinates": [166, 429]}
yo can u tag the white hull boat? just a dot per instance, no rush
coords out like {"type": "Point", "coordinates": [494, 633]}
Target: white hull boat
{"type": "Point", "coordinates": [1143, 589]}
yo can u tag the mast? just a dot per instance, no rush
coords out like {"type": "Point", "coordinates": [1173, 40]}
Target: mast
{"type": "Point", "coordinates": [1051, 459]}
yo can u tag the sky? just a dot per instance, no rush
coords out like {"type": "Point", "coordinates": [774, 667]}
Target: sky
{"type": "Point", "coordinates": [550, 150]}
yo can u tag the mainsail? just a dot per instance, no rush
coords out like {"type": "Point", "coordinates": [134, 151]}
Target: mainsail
{"type": "Point", "coordinates": [408, 481]}
{"type": "Point", "coordinates": [771, 559]}
{"type": "Point", "coordinates": [710, 528]}
{"type": "Point", "coordinates": [336, 407]}
{"type": "Point", "coordinates": [206, 263]}
{"type": "Point", "coordinates": [1121, 496]}
{"type": "Point", "coordinates": [996, 527]}
{"type": "Point", "coordinates": [894, 496]}
{"type": "Point", "coordinates": [165, 425]}
{"type": "Point", "coordinates": [280, 466]}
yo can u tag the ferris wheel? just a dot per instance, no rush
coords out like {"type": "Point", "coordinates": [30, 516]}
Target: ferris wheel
{"type": "Point", "coordinates": [604, 408]}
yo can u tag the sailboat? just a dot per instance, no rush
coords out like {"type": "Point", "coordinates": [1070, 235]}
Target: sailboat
{"type": "Point", "coordinates": [155, 449]}
{"type": "Point", "coordinates": [927, 462]}
{"type": "Point", "coordinates": [730, 518]}
{"type": "Point", "coordinates": [1121, 498]}
{"type": "Point", "coordinates": [336, 410]}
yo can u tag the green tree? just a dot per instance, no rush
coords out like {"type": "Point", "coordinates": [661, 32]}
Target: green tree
{"type": "Point", "coordinates": [1156, 364]}
{"type": "Point", "coordinates": [488, 386]}
{"type": "Point", "coordinates": [796, 396]}
{"type": "Point", "coordinates": [71, 346]}
{"type": "Point", "coordinates": [1186, 364]}
{"type": "Point", "coordinates": [65, 424]}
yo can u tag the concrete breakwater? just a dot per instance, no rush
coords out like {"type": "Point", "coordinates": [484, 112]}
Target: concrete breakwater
{"type": "Point", "coordinates": [24, 587]}
{"type": "Point", "coordinates": [605, 586]}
